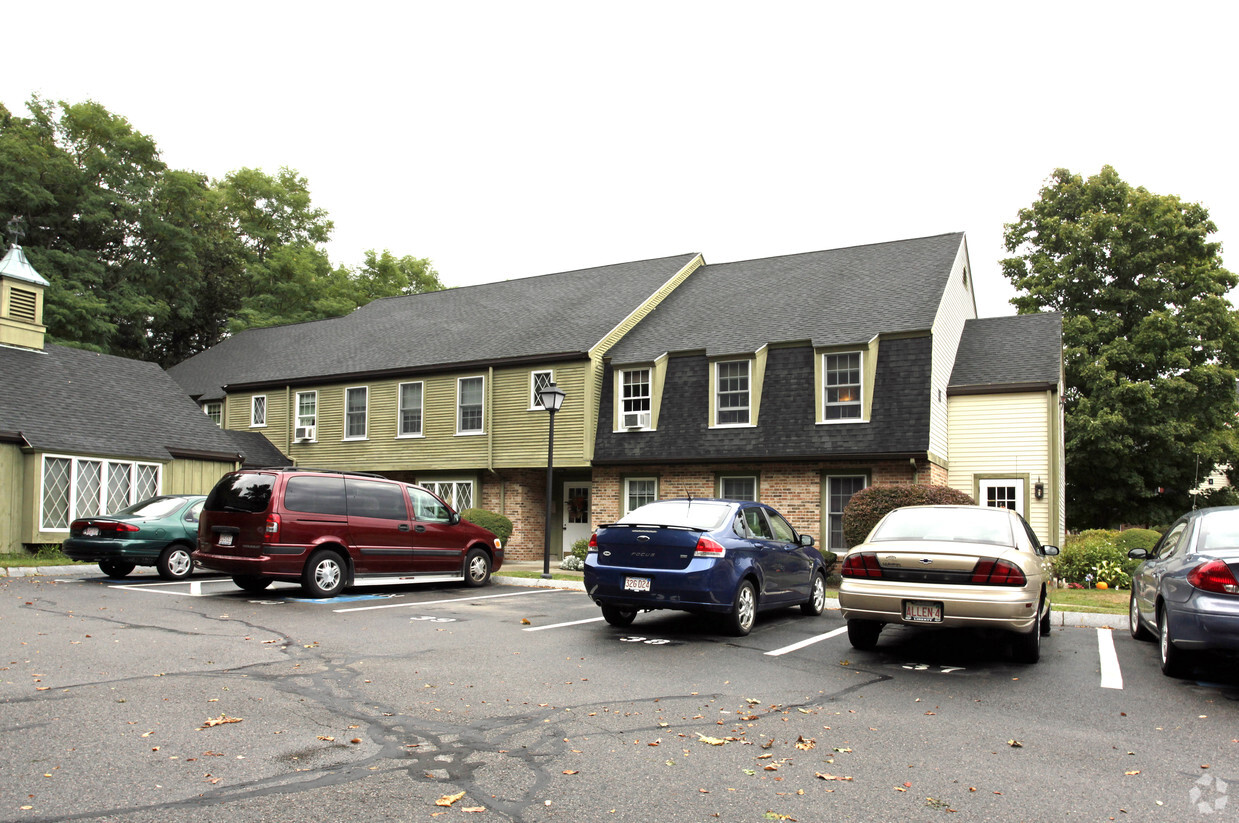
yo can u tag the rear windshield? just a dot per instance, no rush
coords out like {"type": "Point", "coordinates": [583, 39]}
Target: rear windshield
{"type": "Point", "coordinates": [152, 507]}
{"type": "Point", "coordinates": [241, 493]}
{"type": "Point", "coordinates": [1219, 530]}
{"type": "Point", "coordinates": [959, 524]}
{"type": "Point", "coordinates": [692, 514]}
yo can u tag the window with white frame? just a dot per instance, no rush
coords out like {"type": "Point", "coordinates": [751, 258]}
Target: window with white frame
{"type": "Point", "coordinates": [469, 394]}
{"type": "Point", "coordinates": [356, 403]}
{"type": "Point", "coordinates": [635, 399]}
{"type": "Point", "coordinates": [839, 491]}
{"type": "Point", "coordinates": [737, 487]}
{"type": "Point", "coordinates": [456, 493]}
{"type": "Point", "coordinates": [731, 393]}
{"type": "Point", "coordinates": [258, 410]}
{"type": "Point", "coordinates": [307, 415]}
{"type": "Point", "coordinates": [215, 411]}
{"type": "Point", "coordinates": [638, 491]}
{"type": "Point", "coordinates": [410, 411]}
{"type": "Point", "coordinates": [1003, 493]}
{"type": "Point", "coordinates": [538, 381]}
{"type": "Point", "coordinates": [841, 376]}
{"type": "Point", "coordinates": [74, 487]}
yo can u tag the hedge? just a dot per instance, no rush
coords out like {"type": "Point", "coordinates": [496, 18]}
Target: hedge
{"type": "Point", "coordinates": [497, 523]}
{"type": "Point", "coordinates": [870, 505]}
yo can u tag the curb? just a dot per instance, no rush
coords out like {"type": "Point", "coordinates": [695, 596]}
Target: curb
{"type": "Point", "coordinates": [1064, 620]}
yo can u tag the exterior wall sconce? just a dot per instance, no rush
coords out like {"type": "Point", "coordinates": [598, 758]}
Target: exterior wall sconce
{"type": "Point", "coordinates": [1039, 489]}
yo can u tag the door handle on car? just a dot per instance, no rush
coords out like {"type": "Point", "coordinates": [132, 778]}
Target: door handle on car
{"type": "Point", "coordinates": [404, 527]}
{"type": "Point", "coordinates": [419, 528]}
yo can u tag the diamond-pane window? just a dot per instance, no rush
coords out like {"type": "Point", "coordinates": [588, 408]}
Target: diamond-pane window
{"type": "Point", "coordinates": [89, 484]}
{"type": "Point", "coordinates": [56, 492]}
{"type": "Point", "coordinates": [120, 485]}
{"type": "Point", "coordinates": [148, 481]}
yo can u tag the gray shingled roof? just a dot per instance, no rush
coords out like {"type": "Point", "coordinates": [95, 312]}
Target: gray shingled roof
{"type": "Point", "coordinates": [997, 352]}
{"type": "Point", "coordinates": [80, 402]}
{"type": "Point", "coordinates": [258, 450]}
{"type": "Point", "coordinates": [554, 314]}
{"type": "Point", "coordinates": [841, 296]}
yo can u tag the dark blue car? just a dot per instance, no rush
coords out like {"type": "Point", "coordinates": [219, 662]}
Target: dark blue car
{"type": "Point", "coordinates": [1186, 592]}
{"type": "Point", "coordinates": [726, 557]}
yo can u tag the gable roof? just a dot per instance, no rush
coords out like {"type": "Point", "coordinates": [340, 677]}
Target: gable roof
{"type": "Point", "coordinates": [258, 450]}
{"type": "Point", "coordinates": [835, 297]}
{"type": "Point", "coordinates": [1021, 352]}
{"type": "Point", "coordinates": [534, 317]}
{"type": "Point", "coordinates": [80, 402]}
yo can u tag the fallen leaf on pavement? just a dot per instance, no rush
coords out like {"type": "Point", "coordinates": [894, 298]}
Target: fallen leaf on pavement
{"type": "Point", "coordinates": [221, 720]}
{"type": "Point", "coordinates": [449, 799]}
{"type": "Point", "coordinates": [831, 776]}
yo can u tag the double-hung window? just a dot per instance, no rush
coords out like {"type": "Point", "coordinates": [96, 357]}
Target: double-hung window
{"type": "Point", "coordinates": [214, 410]}
{"type": "Point", "coordinates": [307, 415]}
{"type": "Point", "coordinates": [356, 403]}
{"type": "Point", "coordinates": [469, 394]}
{"type": "Point", "coordinates": [410, 412]}
{"type": "Point", "coordinates": [737, 487]}
{"type": "Point", "coordinates": [841, 375]}
{"type": "Point", "coordinates": [731, 382]}
{"type": "Point", "coordinates": [635, 399]}
{"type": "Point", "coordinates": [258, 410]}
{"type": "Point", "coordinates": [638, 491]}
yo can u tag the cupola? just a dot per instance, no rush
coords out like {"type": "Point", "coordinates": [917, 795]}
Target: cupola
{"type": "Point", "coordinates": [21, 295]}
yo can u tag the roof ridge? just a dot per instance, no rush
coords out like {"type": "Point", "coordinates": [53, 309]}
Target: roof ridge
{"type": "Point", "coordinates": [844, 248]}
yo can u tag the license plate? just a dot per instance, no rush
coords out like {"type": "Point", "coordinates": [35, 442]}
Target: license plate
{"type": "Point", "coordinates": [90, 531]}
{"type": "Point", "coordinates": [225, 539]}
{"type": "Point", "coordinates": [636, 584]}
{"type": "Point", "coordinates": [922, 611]}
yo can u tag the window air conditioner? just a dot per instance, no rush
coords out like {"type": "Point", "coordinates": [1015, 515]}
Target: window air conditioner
{"type": "Point", "coordinates": [636, 420]}
{"type": "Point", "coordinates": [304, 433]}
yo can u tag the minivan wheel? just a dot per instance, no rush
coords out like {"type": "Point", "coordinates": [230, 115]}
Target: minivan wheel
{"type": "Point", "coordinates": [116, 568]}
{"type": "Point", "coordinates": [175, 563]}
{"type": "Point", "coordinates": [477, 568]}
{"type": "Point", "coordinates": [324, 574]}
{"type": "Point", "coordinates": [249, 583]}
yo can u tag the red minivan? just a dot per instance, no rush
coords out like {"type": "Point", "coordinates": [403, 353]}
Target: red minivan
{"type": "Point", "coordinates": [325, 528]}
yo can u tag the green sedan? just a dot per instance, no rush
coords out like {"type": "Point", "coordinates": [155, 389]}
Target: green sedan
{"type": "Point", "coordinates": [160, 532]}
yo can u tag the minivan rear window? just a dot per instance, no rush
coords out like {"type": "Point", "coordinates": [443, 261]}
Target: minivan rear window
{"type": "Point", "coordinates": [311, 493]}
{"type": "Point", "coordinates": [241, 493]}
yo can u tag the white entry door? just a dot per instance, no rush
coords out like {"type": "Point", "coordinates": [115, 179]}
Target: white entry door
{"type": "Point", "coordinates": [576, 513]}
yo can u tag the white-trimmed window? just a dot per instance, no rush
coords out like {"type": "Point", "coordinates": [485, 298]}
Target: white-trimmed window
{"type": "Point", "coordinates": [456, 493]}
{"type": "Point", "coordinates": [76, 487]}
{"type": "Point", "coordinates": [538, 381]}
{"type": "Point", "coordinates": [409, 415]}
{"type": "Point", "coordinates": [214, 410]}
{"type": "Point", "coordinates": [307, 414]}
{"type": "Point", "coordinates": [738, 487]}
{"type": "Point", "coordinates": [356, 406]}
{"type": "Point", "coordinates": [638, 491]}
{"type": "Point", "coordinates": [731, 393]}
{"type": "Point", "coordinates": [635, 399]}
{"type": "Point", "coordinates": [839, 491]}
{"type": "Point", "coordinates": [841, 379]}
{"type": "Point", "coordinates": [470, 392]}
{"type": "Point", "coordinates": [1003, 493]}
{"type": "Point", "coordinates": [258, 410]}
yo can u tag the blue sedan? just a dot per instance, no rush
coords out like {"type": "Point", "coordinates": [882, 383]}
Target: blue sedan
{"type": "Point", "coordinates": [726, 557]}
{"type": "Point", "coordinates": [1186, 592]}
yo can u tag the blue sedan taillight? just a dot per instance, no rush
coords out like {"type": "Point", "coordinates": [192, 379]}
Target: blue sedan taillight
{"type": "Point", "coordinates": [709, 548]}
{"type": "Point", "coordinates": [1214, 576]}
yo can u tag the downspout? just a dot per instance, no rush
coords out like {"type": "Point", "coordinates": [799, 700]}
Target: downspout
{"type": "Point", "coordinates": [288, 420]}
{"type": "Point", "coordinates": [490, 420]}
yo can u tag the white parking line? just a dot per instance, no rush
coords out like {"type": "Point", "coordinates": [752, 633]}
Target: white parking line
{"type": "Point", "coordinates": [437, 602]}
{"type": "Point", "coordinates": [1111, 674]}
{"type": "Point", "coordinates": [561, 625]}
{"type": "Point", "coordinates": [807, 642]}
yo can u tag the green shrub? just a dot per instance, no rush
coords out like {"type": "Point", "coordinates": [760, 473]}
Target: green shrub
{"type": "Point", "coordinates": [870, 505]}
{"type": "Point", "coordinates": [580, 548]}
{"type": "Point", "coordinates": [497, 523]}
{"type": "Point", "coordinates": [1095, 555]}
{"type": "Point", "coordinates": [828, 558]}
{"type": "Point", "coordinates": [1137, 539]}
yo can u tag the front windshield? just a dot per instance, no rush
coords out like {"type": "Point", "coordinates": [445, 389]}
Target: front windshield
{"type": "Point", "coordinates": [154, 507]}
{"type": "Point", "coordinates": [961, 524]}
{"type": "Point", "coordinates": [1219, 530]}
{"type": "Point", "coordinates": [704, 515]}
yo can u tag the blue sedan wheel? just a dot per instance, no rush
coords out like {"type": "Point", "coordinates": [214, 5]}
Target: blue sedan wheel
{"type": "Point", "coordinates": [743, 610]}
{"type": "Point", "coordinates": [617, 616]}
{"type": "Point", "coordinates": [1138, 630]}
{"type": "Point", "coordinates": [1174, 660]}
{"type": "Point", "coordinates": [816, 603]}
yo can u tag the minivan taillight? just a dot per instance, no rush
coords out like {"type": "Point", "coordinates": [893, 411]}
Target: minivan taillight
{"type": "Point", "coordinates": [709, 548]}
{"type": "Point", "coordinates": [861, 564]}
{"type": "Point", "coordinates": [271, 529]}
{"type": "Point", "coordinates": [992, 572]}
{"type": "Point", "coordinates": [1214, 576]}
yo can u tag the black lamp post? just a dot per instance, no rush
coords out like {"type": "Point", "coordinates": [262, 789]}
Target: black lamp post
{"type": "Point", "coordinates": [551, 397]}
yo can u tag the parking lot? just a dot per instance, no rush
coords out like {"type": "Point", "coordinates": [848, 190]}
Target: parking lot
{"type": "Point", "coordinates": [142, 700]}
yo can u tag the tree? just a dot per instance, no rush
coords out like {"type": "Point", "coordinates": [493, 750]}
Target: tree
{"type": "Point", "coordinates": [1151, 342]}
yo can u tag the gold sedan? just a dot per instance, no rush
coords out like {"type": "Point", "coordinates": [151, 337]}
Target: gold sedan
{"type": "Point", "coordinates": [949, 567]}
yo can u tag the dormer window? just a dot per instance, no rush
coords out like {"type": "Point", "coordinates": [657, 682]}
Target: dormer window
{"type": "Point", "coordinates": [636, 399]}
{"type": "Point", "coordinates": [731, 401]}
{"type": "Point", "coordinates": [842, 382]}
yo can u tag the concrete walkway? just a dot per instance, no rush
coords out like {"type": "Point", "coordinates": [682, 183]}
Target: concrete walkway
{"type": "Point", "coordinates": [1073, 619]}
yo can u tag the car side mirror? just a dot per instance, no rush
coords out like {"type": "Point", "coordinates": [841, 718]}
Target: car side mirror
{"type": "Point", "coordinates": [1049, 551]}
{"type": "Point", "coordinates": [454, 519]}
{"type": "Point", "coordinates": [1138, 554]}
{"type": "Point", "coordinates": [806, 540]}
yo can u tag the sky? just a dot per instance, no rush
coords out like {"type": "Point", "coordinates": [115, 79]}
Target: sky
{"type": "Point", "coordinates": [510, 139]}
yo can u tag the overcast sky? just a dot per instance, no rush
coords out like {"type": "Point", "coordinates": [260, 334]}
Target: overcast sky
{"type": "Point", "coordinates": [508, 139]}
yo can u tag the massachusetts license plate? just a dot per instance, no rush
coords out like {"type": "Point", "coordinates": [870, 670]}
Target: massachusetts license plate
{"type": "Point", "coordinates": [225, 539]}
{"type": "Point", "coordinates": [922, 611]}
{"type": "Point", "coordinates": [90, 531]}
{"type": "Point", "coordinates": [636, 584]}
